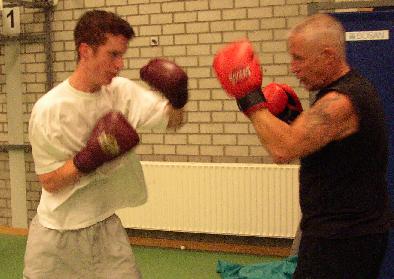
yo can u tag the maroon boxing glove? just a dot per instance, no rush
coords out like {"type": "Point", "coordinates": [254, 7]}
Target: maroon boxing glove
{"type": "Point", "coordinates": [168, 78]}
{"type": "Point", "coordinates": [111, 137]}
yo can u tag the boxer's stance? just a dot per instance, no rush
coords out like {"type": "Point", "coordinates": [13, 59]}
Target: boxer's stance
{"type": "Point", "coordinates": [341, 141]}
{"type": "Point", "coordinates": [82, 134]}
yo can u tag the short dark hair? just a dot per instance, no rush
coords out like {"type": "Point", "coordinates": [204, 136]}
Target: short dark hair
{"type": "Point", "coordinates": [94, 25]}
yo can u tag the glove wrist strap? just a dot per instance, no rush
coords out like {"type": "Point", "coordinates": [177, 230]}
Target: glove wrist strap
{"type": "Point", "coordinates": [250, 100]}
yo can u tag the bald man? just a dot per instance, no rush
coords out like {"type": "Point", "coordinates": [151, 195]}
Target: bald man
{"type": "Point", "coordinates": [343, 147]}
{"type": "Point", "coordinates": [342, 142]}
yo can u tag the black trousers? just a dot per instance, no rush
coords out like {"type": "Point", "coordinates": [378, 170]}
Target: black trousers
{"type": "Point", "coordinates": [351, 258]}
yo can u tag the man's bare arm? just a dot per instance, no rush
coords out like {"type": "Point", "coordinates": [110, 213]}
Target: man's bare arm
{"type": "Point", "coordinates": [63, 177]}
{"type": "Point", "coordinates": [331, 118]}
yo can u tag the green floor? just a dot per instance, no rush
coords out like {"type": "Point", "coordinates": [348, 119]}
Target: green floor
{"type": "Point", "coordinates": [155, 263]}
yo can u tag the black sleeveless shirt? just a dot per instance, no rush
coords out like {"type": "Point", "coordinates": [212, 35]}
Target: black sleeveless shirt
{"type": "Point", "coordinates": [343, 187]}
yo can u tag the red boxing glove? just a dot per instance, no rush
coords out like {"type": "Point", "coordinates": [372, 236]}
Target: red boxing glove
{"type": "Point", "coordinates": [238, 71]}
{"type": "Point", "coordinates": [282, 101]}
{"type": "Point", "coordinates": [111, 137]}
{"type": "Point", "coordinates": [168, 78]}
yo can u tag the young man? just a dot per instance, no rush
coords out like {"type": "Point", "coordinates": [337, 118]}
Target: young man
{"type": "Point", "coordinates": [83, 134]}
{"type": "Point", "coordinates": [341, 141]}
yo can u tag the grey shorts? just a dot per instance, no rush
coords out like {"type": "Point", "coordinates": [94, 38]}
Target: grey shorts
{"type": "Point", "coordinates": [101, 251]}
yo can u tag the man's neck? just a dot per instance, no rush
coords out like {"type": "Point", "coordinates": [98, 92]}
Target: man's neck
{"type": "Point", "coordinates": [80, 80]}
{"type": "Point", "coordinates": [343, 70]}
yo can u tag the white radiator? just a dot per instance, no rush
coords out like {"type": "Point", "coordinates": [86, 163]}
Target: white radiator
{"type": "Point", "coordinates": [235, 199]}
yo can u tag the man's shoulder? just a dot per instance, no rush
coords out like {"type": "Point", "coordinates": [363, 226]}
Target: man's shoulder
{"type": "Point", "coordinates": [119, 81]}
{"type": "Point", "coordinates": [56, 90]}
{"type": "Point", "coordinates": [48, 101]}
{"type": "Point", "coordinates": [125, 86]}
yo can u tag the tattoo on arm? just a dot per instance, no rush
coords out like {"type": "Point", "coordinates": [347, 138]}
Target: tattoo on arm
{"type": "Point", "coordinates": [319, 116]}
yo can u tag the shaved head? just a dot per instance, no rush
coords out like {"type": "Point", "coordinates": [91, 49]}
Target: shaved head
{"type": "Point", "coordinates": [322, 31]}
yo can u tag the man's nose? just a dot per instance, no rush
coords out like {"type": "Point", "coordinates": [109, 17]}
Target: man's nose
{"type": "Point", "coordinates": [119, 63]}
{"type": "Point", "coordinates": [293, 67]}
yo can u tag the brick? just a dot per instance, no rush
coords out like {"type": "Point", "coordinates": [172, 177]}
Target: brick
{"type": "Point", "coordinates": [199, 95]}
{"type": "Point", "coordinates": [198, 49]}
{"type": "Point", "coordinates": [63, 36]}
{"type": "Point", "coordinates": [208, 16]}
{"type": "Point", "coordinates": [185, 17]}
{"type": "Point", "coordinates": [236, 128]}
{"type": "Point", "coordinates": [161, 19]}
{"type": "Point", "coordinates": [261, 35]}
{"type": "Point", "coordinates": [211, 128]}
{"type": "Point", "coordinates": [174, 50]}
{"type": "Point", "coordinates": [200, 139]}
{"type": "Point", "coordinates": [234, 14]}
{"type": "Point", "coordinates": [144, 149]}
{"type": "Point", "coordinates": [34, 68]}
{"type": "Point", "coordinates": [115, 2]}
{"type": "Point", "coordinates": [127, 10]}
{"type": "Point", "coordinates": [222, 4]}
{"type": "Point", "coordinates": [224, 139]}
{"type": "Point", "coordinates": [248, 140]}
{"type": "Point", "coordinates": [187, 150]}
{"type": "Point", "coordinates": [276, 70]}
{"type": "Point", "coordinates": [262, 12]}
{"type": "Point", "coordinates": [137, 20]}
{"type": "Point", "coordinates": [281, 34]}
{"type": "Point", "coordinates": [212, 150]}
{"type": "Point", "coordinates": [197, 5]}
{"type": "Point", "coordinates": [62, 15]}
{"type": "Point", "coordinates": [258, 151]}
{"type": "Point", "coordinates": [232, 36]}
{"type": "Point", "coordinates": [166, 40]}
{"type": "Point", "coordinates": [177, 6]}
{"type": "Point", "coordinates": [219, 26]}
{"type": "Point", "coordinates": [198, 117]}
{"type": "Point", "coordinates": [94, 3]}
{"type": "Point", "coordinates": [199, 72]}
{"type": "Point", "coordinates": [274, 46]}
{"type": "Point", "coordinates": [189, 128]}
{"type": "Point", "coordinates": [282, 58]}
{"type": "Point", "coordinates": [176, 158]}
{"type": "Point", "coordinates": [246, 3]}
{"type": "Point", "coordinates": [272, 23]}
{"type": "Point", "coordinates": [236, 151]}
{"type": "Point", "coordinates": [287, 10]}
{"type": "Point", "coordinates": [149, 8]}
{"type": "Point", "coordinates": [164, 149]}
{"type": "Point", "coordinates": [210, 106]}
{"type": "Point", "coordinates": [251, 24]}
{"type": "Point", "coordinates": [292, 21]}
{"type": "Point", "coordinates": [151, 138]}
{"type": "Point", "coordinates": [224, 116]}
{"type": "Point", "coordinates": [199, 27]}
{"type": "Point", "coordinates": [175, 139]}
{"type": "Point", "coordinates": [190, 39]}
{"type": "Point", "coordinates": [208, 83]}
{"type": "Point", "coordinates": [178, 28]}
{"type": "Point", "coordinates": [150, 30]}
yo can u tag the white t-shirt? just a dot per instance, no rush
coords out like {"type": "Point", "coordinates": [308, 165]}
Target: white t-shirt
{"type": "Point", "coordinates": [60, 125]}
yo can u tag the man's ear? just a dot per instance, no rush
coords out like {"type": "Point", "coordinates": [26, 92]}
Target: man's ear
{"type": "Point", "coordinates": [85, 51]}
{"type": "Point", "coordinates": [330, 53]}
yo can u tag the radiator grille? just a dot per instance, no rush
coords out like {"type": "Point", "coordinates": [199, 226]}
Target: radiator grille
{"type": "Point", "coordinates": [235, 199]}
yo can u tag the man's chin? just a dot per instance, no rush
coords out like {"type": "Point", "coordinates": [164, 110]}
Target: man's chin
{"type": "Point", "coordinates": [108, 81]}
{"type": "Point", "coordinates": [310, 87]}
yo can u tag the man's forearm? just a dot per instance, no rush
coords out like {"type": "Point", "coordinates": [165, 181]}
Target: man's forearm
{"type": "Point", "coordinates": [63, 177]}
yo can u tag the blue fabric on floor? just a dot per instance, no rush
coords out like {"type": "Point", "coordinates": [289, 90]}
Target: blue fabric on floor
{"type": "Point", "coordinates": [282, 269]}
